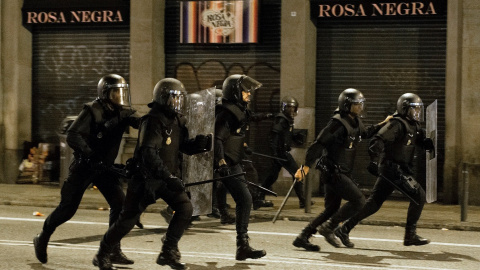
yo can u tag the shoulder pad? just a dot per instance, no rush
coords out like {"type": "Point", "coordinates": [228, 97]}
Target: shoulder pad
{"type": "Point", "coordinates": [96, 109]}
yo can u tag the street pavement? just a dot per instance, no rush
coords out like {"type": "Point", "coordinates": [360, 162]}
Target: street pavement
{"type": "Point", "coordinates": [393, 212]}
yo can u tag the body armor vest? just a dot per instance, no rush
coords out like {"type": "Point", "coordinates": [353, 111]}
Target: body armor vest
{"type": "Point", "coordinates": [233, 146]}
{"type": "Point", "coordinates": [344, 154]}
{"type": "Point", "coordinates": [285, 136]}
{"type": "Point", "coordinates": [402, 151]}
{"type": "Point", "coordinates": [168, 144]}
{"type": "Point", "coordinates": [104, 141]}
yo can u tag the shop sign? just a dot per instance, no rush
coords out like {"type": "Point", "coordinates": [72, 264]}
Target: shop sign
{"type": "Point", "coordinates": [325, 9]}
{"type": "Point", "coordinates": [75, 12]}
{"type": "Point", "coordinates": [219, 21]}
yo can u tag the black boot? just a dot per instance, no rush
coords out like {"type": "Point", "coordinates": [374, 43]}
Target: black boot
{"type": "Point", "coordinates": [412, 239]}
{"type": "Point", "coordinates": [226, 217]}
{"type": "Point", "coordinates": [326, 229]}
{"type": "Point", "coordinates": [342, 233]}
{"type": "Point", "coordinates": [170, 255]}
{"type": "Point", "coordinates": [215, 213]}
{"type": "Point", "coordinates": [302, 240]}
{"type": "Point", "coordinates": [262, 203]}
{"type": "Point", "coordinates": [118, 257]}
{"type": "Point", "coordinates": [102, 258]}
{"type": "Point", "coordinates": [244, 251]}
{"type": "Point", "coordinates": [40, 243]}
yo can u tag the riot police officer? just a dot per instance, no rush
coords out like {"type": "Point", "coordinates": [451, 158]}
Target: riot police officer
{"type": "Point", "coordinates": [335, 148]}
{"type": "Point", "coordinates": [391, 152]}
{"type": "Point", "coordinates": [230, 126]}
{"type": "Point", "coordinates": [282, 136]}
{"type": "Point", "coordinates": [95, 137]}
{"type": "Point", "coordinates": [162, 135]}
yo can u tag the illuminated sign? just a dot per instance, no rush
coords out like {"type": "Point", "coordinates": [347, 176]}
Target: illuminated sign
{"type": "Point", "coordinates": [219, 21]}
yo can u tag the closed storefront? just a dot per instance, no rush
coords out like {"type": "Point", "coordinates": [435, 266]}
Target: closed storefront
{"type": "Point", "coordinates": [384, 49]}
{"type": "Point", "coordinates": [74, 45]}
{"type": "Point", "coordinates": [200, 61]}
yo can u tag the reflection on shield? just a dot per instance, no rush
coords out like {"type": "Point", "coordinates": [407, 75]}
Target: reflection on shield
{"type": "Point", "coordinates": [431, 182]}
{"type": "Point", "coordinates": [201, 120]}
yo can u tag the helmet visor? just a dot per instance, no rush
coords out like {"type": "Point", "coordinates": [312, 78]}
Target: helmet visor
{"type": "Point", "coordinates": [248, 84]}
{"type": "Point", "coordinates": [119, 94]}
{"type": "Point", "coordinates": [290, 110]}
{"type": "Point", "coordinates": [358, 107]}
{"type": "Point", "coordinates": [416, 112]}
{"type": "Point", "coordinates": [176, 101]}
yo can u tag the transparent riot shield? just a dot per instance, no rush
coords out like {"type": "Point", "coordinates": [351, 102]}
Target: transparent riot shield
{"type": "Point", "coordinates": [200, 120]}
{"type": "Point", "coordinates": [431, 181]}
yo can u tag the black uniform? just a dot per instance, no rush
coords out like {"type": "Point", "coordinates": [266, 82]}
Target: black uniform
{"type": "Point", "coordinates": [281, 139]}
{"type": "Point", "coordinates": [230, 126]}
{"type": "Point", "coordinates": [393, 149]}
{"type": "Point", "coordinates": [335, 148]}
{"type": "Point", "coordinates": [95, 137]}
{"type": "Point", "coordinates": [156, 160]}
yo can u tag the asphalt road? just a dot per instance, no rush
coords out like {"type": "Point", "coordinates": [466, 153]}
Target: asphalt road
{"type": "Point", "coordinates": [210, 245]}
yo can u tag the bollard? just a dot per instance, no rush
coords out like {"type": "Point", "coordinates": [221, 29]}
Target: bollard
{"type": "Point", "coordinates": [464, 203]}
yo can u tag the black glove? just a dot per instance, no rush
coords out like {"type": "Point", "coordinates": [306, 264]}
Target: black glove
{"type": "Point", "coordinates": [224, 171]}
{"type": "Point", "coordinates": [175, 184]}
{"type": "Point", "coordinates": [248, 151]}
{"type": "Point", "coordinates": [373, 168]}
{"type": "Point", "coordinates": [269, 115]}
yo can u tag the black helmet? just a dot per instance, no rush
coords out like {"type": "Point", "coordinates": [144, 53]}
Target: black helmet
{"type": "Point", "coordinates": [170, 93]}
{"type": "Point", "coordinates": [114, 88]}
{"type": "Point", "coordinates": [410, 106]}
{"type": "Point", "coordinates": [289, 106]}
{"type": "Point", "coordinates": [348, 97]}
{"type": "Point", "coordinates": [234, 85]}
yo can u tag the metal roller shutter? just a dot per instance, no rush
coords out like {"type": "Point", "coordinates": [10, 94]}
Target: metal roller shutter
{"type": "Point", "coordinates": [200, 66]}
{"type": "Point", "coordinates": [67, 64]}
{"type": "Point", "coordinates": [383, 59]}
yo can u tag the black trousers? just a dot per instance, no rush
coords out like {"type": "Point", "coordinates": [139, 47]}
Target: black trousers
{"type": "Point", "coordinates": [380, 193]}
{"type": "Point", "coordinates": [242, 197]}
{"type": "Point", "coordinates": [291, 166]}
{"type": "Point", "coordinates": [338, 187]}
{"type": "Point", "coordinates": [135, 205]}
{"type": "Point", "coordinates": [79, 179]}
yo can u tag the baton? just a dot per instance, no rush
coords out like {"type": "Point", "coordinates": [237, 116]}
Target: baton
{"type": "Point", "coordinates": [399, 189]}
{"type": "Point", "coordinates": [272, 157]}
{"type": "Point", "coordinates": [286, 197]}
{"type": "Point", "coordinates": [255, 185]}
{"type": "Point", "coordinates": [213, 180]}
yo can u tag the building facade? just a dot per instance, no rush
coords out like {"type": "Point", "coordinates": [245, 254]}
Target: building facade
{"type": "Point", "coordinates": [52, 57]}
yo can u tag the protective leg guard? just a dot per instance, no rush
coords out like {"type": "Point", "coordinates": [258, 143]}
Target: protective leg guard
{"type": "Point", "coordinates": [244, 251]}
{"type": "Point", "coordinates": [302, 240]}
{"type": "Point", "coordinates": [326, 229]}
{"type": "Point", "coordinates": [40, 243]}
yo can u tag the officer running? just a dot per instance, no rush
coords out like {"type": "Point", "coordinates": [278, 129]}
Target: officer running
{"type": "Point", "coordinates": [162, 136]}
{"type": "Point", "coordinates": [392, 152]}
{"type": "Point", "coordinates": [335, 148]}
{"type": "Point", "coordinates": [95, 137]}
